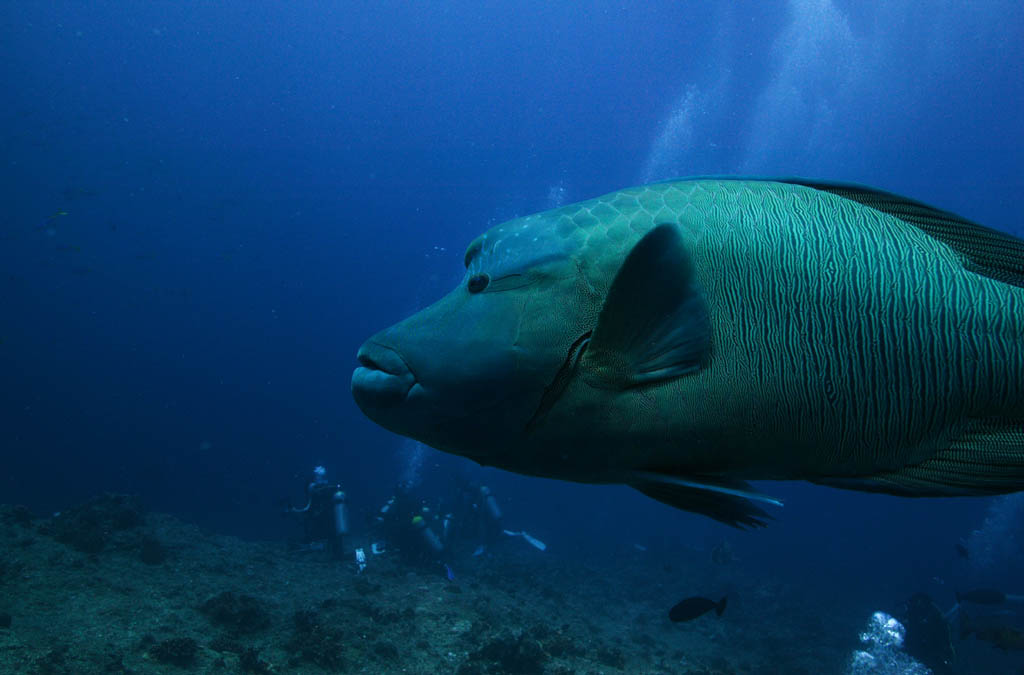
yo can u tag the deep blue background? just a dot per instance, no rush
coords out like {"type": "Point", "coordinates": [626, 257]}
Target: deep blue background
{"type": "Point", "coordinates": [208, 206]}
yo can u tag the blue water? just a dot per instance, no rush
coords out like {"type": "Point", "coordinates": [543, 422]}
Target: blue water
{"type": "Point", "coordinates": [209, 206]}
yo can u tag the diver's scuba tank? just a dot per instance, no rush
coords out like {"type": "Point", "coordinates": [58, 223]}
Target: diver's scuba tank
{"type": "Point", "coordinates": [490, 503]}
{"type": "Point", "coordinates": [340, 513]}
{"type": "Point", "coordinates": [446, 527]}
{"type": "Point", "coordinates": [427, 534]}
{"type": "Point", "coordinates": [384, 509]}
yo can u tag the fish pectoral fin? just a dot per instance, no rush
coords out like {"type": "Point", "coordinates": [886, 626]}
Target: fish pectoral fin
{"type": "Point", "coordinates": [727, 501]}
{"type": "Point", "coordinates": [986, 459]}
{"type": "Point", "coordinates": [654, 324]}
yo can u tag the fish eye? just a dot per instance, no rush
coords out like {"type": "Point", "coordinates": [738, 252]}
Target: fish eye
{"type": "Point", "coordinates": [478, 282]}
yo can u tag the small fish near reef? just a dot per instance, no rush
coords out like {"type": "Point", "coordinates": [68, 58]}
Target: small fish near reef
{"type": "Point", "coordinates": [686, 337]}
{"type": "Point", "coordinates": [692, 608]}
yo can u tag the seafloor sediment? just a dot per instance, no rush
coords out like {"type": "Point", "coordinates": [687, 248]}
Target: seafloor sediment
{"type": "Point", "coordinates": [105, 588]}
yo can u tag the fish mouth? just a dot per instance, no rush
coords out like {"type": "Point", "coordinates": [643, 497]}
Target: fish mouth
{"type": "Point", "coordinates": [383, 380]}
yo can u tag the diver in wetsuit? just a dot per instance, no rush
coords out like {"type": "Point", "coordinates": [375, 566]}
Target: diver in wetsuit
{"type": "Point", "coordinates": [411, 527]}
{"type": "Point", "coordinates": [475, 515]}
{"type": "Point", "coordinates": [325, 515]}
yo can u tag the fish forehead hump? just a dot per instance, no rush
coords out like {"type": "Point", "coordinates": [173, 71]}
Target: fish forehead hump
{"type": "Point", "coordinates": [759, 216]}
{"type": "Point", "coordinates": [603, 229]}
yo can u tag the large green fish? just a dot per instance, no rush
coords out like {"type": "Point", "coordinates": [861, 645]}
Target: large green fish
{"type": "Point", "coordinates": [686, 337]}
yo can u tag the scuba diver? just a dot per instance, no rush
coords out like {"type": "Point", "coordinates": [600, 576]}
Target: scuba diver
{"type": "Point", "coordinates": [473, 516]}
{"type": "Point", "coordinates": [325, 517]}
{"type": "Point", "coordinates": [435, 534]}
{"type": "Point", "coordinates": [411, 527]}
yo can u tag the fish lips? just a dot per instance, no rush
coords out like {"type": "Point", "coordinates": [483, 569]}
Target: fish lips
{"type": "Point", "coordinates": [383, 381]}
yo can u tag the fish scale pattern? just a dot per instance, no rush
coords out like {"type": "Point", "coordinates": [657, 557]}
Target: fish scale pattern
{"type": "Point", "coordinates": [855, 337]}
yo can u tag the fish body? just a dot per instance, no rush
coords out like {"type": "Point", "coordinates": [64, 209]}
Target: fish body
{"type": "Point", "coordinates": [686, 337]}
{"type": "Point", "coordinates": [982, 596]}
{"type": "Point", "coordinates": [692, 608]}
{"type": "Point", "coordinates": [1001, 635]}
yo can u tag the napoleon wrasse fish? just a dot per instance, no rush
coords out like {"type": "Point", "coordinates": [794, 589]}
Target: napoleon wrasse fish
{"type": "Point", "coordinates": [689, 336]}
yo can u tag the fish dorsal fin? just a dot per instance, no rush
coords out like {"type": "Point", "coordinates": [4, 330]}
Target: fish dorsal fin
{"type": "Point", "coordinates": [654, 323]}
{"type": "Point", "coordinates": [984, 251]}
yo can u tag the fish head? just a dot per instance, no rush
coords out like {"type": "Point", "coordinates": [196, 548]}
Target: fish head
{"type": "Point", "coordinates": [467, 374]}
{"type": "Point", "coordinates": [544, 358]}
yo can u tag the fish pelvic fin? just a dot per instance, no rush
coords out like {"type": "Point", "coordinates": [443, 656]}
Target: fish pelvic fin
{"type": "Point", "coordinates": [654, 324]}
{"type": "Point", "coordinates": [727, 501]}
{"type": "Point", "coordinates": [986, 459]}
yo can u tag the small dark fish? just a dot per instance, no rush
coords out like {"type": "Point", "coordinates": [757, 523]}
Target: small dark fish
{"type": "Point", "coordinates": [691, 608]}
{"type": "Point", "coordinates": [962, 551]}
{"type": "Point", "coordinates": [982, 596]}
{"type": "Point", "coordinates": [1004, 637]}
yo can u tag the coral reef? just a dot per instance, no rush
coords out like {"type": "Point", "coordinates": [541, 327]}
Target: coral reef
{"type": "Point", "coordinates": [152, 552]}
{"type": "Point", "coordinates": [508, 654]}
{"type": "Point", "coordinates": [236, 612]}
{"type": "Point", "coordinates": [217, 604]}
{"type": "Point", "coordinates": [89, 527]}
{"type": "Point", "coordinates": [179, 651]}
{"type": "Point", "coordinates": [317, 641]}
